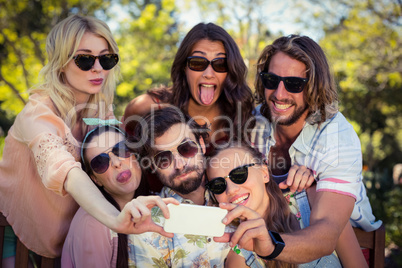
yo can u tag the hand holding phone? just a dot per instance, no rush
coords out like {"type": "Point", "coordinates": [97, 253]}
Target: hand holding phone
{"type": "Point", "coordinates": [195, 220]}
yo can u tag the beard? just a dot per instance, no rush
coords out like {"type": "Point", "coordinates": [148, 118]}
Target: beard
{"type": "Point", "coordinates": [183, 187]}
{"type": "Point", "coordinates": [283, 120]}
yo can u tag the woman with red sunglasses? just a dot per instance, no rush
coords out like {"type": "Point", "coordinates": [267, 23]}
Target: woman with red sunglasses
{"type": "Point", "coordinates": [41, 180]}
{"type": "Point", "coordinates": [114, 169]}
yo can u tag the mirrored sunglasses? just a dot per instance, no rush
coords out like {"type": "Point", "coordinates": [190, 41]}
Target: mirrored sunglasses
{"type": "Point", "coordinates": [199, 64]}
{"type": "Point", "coordinates": [292, 84]}
{"type": "Point", "coordinates": [164, 159]}
{"type": "Point", "coordinates": [237, 175]}
{"type": "Point", "coordinates": [86, 61]}
{"type": "Point", "coordinates": [100, 163]}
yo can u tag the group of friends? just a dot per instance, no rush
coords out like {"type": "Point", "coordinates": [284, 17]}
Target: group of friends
{"type": "Point", "coordinates": [77, 185]}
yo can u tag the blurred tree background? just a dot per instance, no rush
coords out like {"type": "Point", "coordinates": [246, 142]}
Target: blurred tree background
{"type": "Point", "coordinates": [362, 39]}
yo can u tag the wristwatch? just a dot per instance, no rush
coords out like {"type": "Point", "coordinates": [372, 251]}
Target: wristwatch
{"type": "Point", "coordinates": [278, 243]}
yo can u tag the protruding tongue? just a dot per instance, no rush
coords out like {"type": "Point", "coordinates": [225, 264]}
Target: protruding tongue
{"type": "Point", "coordinates": [207, 94]}
{"type": "Point", "coordinates": [124, 176]}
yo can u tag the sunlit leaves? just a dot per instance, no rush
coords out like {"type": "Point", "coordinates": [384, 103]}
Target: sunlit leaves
{"type": "Point", "coordinates": [148, 45]}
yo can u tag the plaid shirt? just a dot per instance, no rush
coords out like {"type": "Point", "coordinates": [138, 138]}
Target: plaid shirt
{"type": "Point", "coordinates": [333, 152]}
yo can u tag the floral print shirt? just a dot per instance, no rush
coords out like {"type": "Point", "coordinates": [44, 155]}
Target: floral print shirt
{"type": "Point", "coordinates": [183, 250]}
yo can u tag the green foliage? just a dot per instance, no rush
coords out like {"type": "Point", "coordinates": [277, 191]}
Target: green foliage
{"type": "Point", "coordinates": [148, 45]}
{"type": "Point", "coordinates": [23, 29]}
{"type": "Point", "coordinates": [147, 40]}
{"type": "Point", "coordinates": [367, 63]}
{"type": "Point", "coordinates": [361, 38]}
{"type": "Point", "coordinates": [364, 48]}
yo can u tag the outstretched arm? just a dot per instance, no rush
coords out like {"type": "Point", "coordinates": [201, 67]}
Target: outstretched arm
{"type": "Point", "coordinates": [348, 249]}
{"type": "Point", "coordinates": [328, 218]}
{"type": "Point", "coordinates": [129, 220]}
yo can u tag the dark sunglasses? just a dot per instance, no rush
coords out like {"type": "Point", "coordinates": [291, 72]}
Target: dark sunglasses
{"type": "Point", "coordinates": [237, 175]}
{"type": "Point", "coordinates": [86, 61]}
{"type": "Point", "coordinates": [164, 159]}
{"type": "Point", "coordinates": [101, 162]}
{"type": "Point", "coordinates": [292, 84]}
{"type": "Point", "coordinates": [199, 64]}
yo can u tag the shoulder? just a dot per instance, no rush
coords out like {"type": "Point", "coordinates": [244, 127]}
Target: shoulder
{"type": "Point", "coordinates": [136, 109]}
{"type": "Point", "coordinates": [140, 105]}
{"type": "Point", "coordinates": [342, 129]}
{"type": "Point", "coordinates": [37, 104]}
{"type": "Point", "coordinates": [336, 129]}
{"type": "Point", "coordinates": [39, 116]}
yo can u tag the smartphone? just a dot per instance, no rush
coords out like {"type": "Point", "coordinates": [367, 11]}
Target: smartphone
{"type": "Point", "coordinates": [195, 220]}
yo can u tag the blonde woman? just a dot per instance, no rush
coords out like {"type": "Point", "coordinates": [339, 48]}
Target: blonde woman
{"type": "Point", "coordinates": [41, 180]}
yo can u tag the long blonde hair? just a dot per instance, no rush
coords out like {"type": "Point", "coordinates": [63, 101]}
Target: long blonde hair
{"type": "Point", "coordinates": [61, 45]}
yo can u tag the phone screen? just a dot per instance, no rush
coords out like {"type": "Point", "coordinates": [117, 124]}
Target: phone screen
{"type": "Point", "coordinates": [195, 220]}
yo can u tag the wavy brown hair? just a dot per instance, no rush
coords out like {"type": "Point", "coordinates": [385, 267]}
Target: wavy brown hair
{"type": "Point", "coordinates": [278, 215]}
{"type": "Point", "coordinates": [236, 100]}
{"type": "Point", "coordinates": [321, 94]}
{"type": "Point", "coordinates": [122, 247]}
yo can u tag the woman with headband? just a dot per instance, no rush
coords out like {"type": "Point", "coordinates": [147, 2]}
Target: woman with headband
{"type": "Point", "coordinates": [116, 172]}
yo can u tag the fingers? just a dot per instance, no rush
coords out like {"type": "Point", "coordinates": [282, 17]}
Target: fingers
{"type": "Point", "coordinates": [162, 204]}
{"type": "Point", "coordinates": [283, 185]}
{"type": "Point", "coordinates": [152, 201]}
{"type": "Point", "coordinates": [299, 178]}
{"type": "Point", "coordinates": [139, 211]}
{"type": "Point", "coordinates": [171, 200]}
{"type": "Point", "coordinates": [224, 238]}
{"type": "Point", "coordinates": [236, 211]}
{"type": "Point", "coordinates": [159, 229]}
{"type": "Point", "coordinates": [251, 234]}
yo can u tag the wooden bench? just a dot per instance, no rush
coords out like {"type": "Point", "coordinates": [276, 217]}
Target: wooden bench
{"type": "Point", "coordinates": [22, 253]}
{"type": "Point", "coordinates": [375, 242]}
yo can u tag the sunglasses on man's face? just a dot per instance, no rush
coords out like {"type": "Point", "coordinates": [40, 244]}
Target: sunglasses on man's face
{"type": "Point", "coordinates": [86, 61]}
{"type": "Point", "coordinates": [164, 159]}
{"type": "Point", "coordinates": [237, 175]}
{"type": "Point", "coordinates": [100, 163]}
{"type": "Point", "coordinates": [199, 64]}
{"type": "Point", "coordinates": [292, 84]}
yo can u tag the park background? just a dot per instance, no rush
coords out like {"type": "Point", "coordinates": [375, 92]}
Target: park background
{"type": "Point", "coordinates": [362, 39]}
